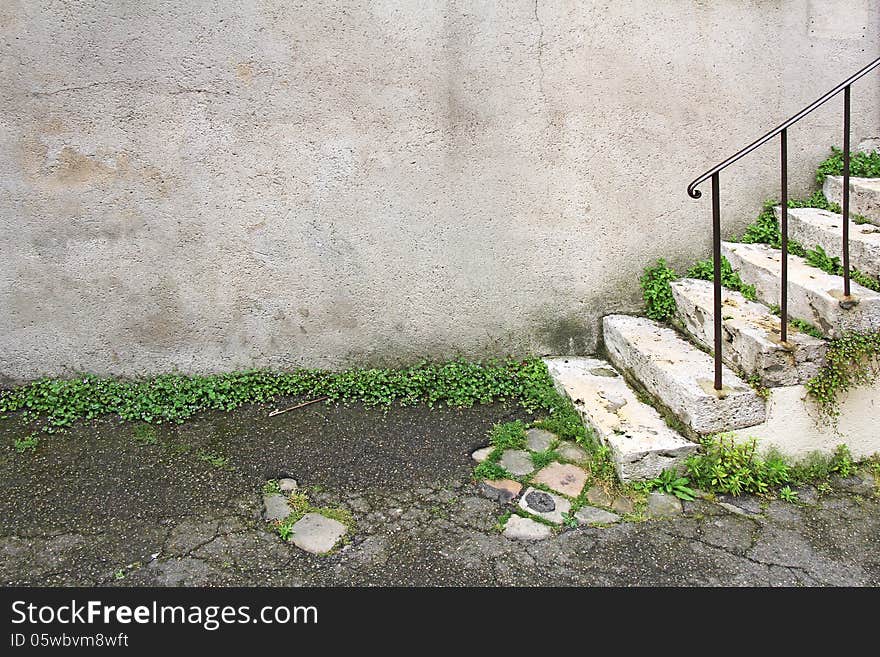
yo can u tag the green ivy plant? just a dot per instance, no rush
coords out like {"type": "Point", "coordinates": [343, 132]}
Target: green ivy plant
{"type": "Point", "coordinates": [175, 398]}
{"type": "Point", "coordinates": [851, 360]}
{"type": "Point", "coordinates": [659, 302]}
{"type": "Point", "coordinates": [862, 165]}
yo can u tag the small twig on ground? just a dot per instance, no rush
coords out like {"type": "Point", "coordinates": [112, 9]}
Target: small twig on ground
{"type": "Point", "coordinates": [293, 408]}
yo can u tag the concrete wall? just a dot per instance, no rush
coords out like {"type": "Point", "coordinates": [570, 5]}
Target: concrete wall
{"type": "Point", "coordinates": [796, 428]}
{"type": "Point", "coordinates": [211, 186]}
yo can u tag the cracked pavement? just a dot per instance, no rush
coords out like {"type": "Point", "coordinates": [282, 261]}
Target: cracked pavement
{"type": "Point", "coordinates": [92, 506]}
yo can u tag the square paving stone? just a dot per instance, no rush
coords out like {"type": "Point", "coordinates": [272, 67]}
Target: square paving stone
{"type": "Point", "coordinates": [517, 462]}
{"type": "Point", "coordinates": [590, 514]}
{"type": "Point", "coordinates": [539, 440]}
{"type": "Point", "coordinates": [503, 490]}
{"type": "Point", "coordinates": [661, 505]}
{"type": "Point", "coordinates": [564, 478]}
{"type": "Point", "coordinates": [526, 529]}
{"type": "Point", "coordinates": [545, 505]}
{"type": "Point", "coordinates": [571, 451]}
{"type": "Point", "coordinates": [275, 507]}
{"type": "Point", "coordinates": [598, 496]}
{"type": "Point", "coordinates": [316, 533]}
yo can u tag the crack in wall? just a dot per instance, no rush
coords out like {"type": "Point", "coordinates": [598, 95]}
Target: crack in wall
{"type": "Point", "coordinates": [540, 52]}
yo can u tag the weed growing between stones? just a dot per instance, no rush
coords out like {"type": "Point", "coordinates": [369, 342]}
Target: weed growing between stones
{"type": "Point", "coordinates": [300, 505]}
{"type": "Point", "coordinates": [594, 460]}
{"type": "Point", "coordinates": [704, 270]}
{"type": "Point", "coordinates": [725, 466]}
{"type": "Point", "coordinates": [272, 487]}
{"type": "Point", "coordinates": [861, 165]}
{"type": "Point", "coordinates": [671, 483]}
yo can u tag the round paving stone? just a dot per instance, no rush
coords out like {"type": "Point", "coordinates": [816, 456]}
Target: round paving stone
{"type": "Point", "coordinates": [540, 501]}
{"type": "Point", "coordinates": [539, 440]}
{"type": "Point", "coordinates": [517, 462]}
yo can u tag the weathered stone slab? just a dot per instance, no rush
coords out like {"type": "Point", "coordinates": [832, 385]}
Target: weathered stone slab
{"type": "Point", "coordinates": [545, 505]}
{"type": "Point", "coordinates": [275, 507]}
{"type": "Point", "coordinates": [599, 496]}
{"type": "Point", "coordinates": [641, 443]}
{"type": "Point", "coordinates": [661, 505]}
{"type": "Point", "coordinates": [526, 529]}
{"type": "Point", "coordinates": [680, 375]}
{"type": "Point", "coordinates": [564, 478]}
{"type": "Point", "coordinates": [812, 227]}
{"type": "Point", "coordinates": [316, 533]}
{"type": "Point", "coordinates": [588, 515]}
{"type": "Point", "coordinates": [869, 145]}
{"type": "Point", "coordinates": [572, 451]}
{"type": "Point", "coordinates": [622, 505]}
{"type": "Point", "coordinates": [288, 485]}
{"type": "Point", "coordinates": [751, 336]}
{"type": "Point", "coordinates": [864, 195]}
{"type": "Point", "coordinates": [539, 440]}
{"type": "Point", "coordinates": [517, 462]}
{"type": "Point", "coordinates": [482, 454]}
{"type": "Point", "coordinates": [813, 295]}
{"type": "Point", "coordinates": [502, 490]}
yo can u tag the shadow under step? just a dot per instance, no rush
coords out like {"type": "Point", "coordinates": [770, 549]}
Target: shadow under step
{"type": "Point", "coordinates": [864, 195]}
{"type": "Point", "coordinates": [750, 335]}
{"type": "Point", "coordinates": [640, 442]}
{"type": "Point", "coordinates": [680, 376]}
{"type": "Point", "coordinates": [813, 295]}
{"type": "Point", "coordinates": [812, 227]}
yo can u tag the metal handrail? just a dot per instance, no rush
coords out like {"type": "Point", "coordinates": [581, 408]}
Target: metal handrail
{"type": "Point", "coordinates": [782, 131]}
{"type": "Point", "coordinates": [693, 192]}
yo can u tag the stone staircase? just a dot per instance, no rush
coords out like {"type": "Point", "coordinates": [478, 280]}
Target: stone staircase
{"type": "Point", "coordinates": [651, 397]}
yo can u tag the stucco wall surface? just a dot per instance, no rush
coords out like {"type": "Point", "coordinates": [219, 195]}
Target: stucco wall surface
{"type": "Point", "coordinates": [208, 186]}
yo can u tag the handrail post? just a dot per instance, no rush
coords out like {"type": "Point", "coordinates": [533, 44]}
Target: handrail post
{"type": "Point", "coordinates": [716, 261]}
{"type": "Point", "coordinates": [846, 287]}
{"type": "Point", "coordinates": [783, 296]}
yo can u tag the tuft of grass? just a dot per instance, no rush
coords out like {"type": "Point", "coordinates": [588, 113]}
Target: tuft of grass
{"type": "Point", "coordinates": [726, 466]}
{"type": "Point", "coordinates": [543, 459]}
{"type": "Point", "coordinates": [489, 469]}
{"type": "Point", "coordinates": [705, 270]}
{"type": "Point", "coordinates": [213, 459]}
{"type": "Point", "coordinates": [805, 327]}
{"type": "Point", "coordinates": [508, 435]}
{"type": "Point", "coordinates": [26, 444]}
{"type": "Point", "coordinates": [145, 434]}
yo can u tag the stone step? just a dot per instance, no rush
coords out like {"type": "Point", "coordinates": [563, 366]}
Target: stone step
{"type": "Point", "coordinates": [641, 443]}
{"type": "Point", "coordinates": [864, 195]}
{"type": "Point", "coordinates": [813, 295]}
{"type": "Point", "coordinates": [680, 376]}
{"type": "Point", "coordinates": [750, 335]}
{"type": "Point", "coordinates": [812, 227]}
